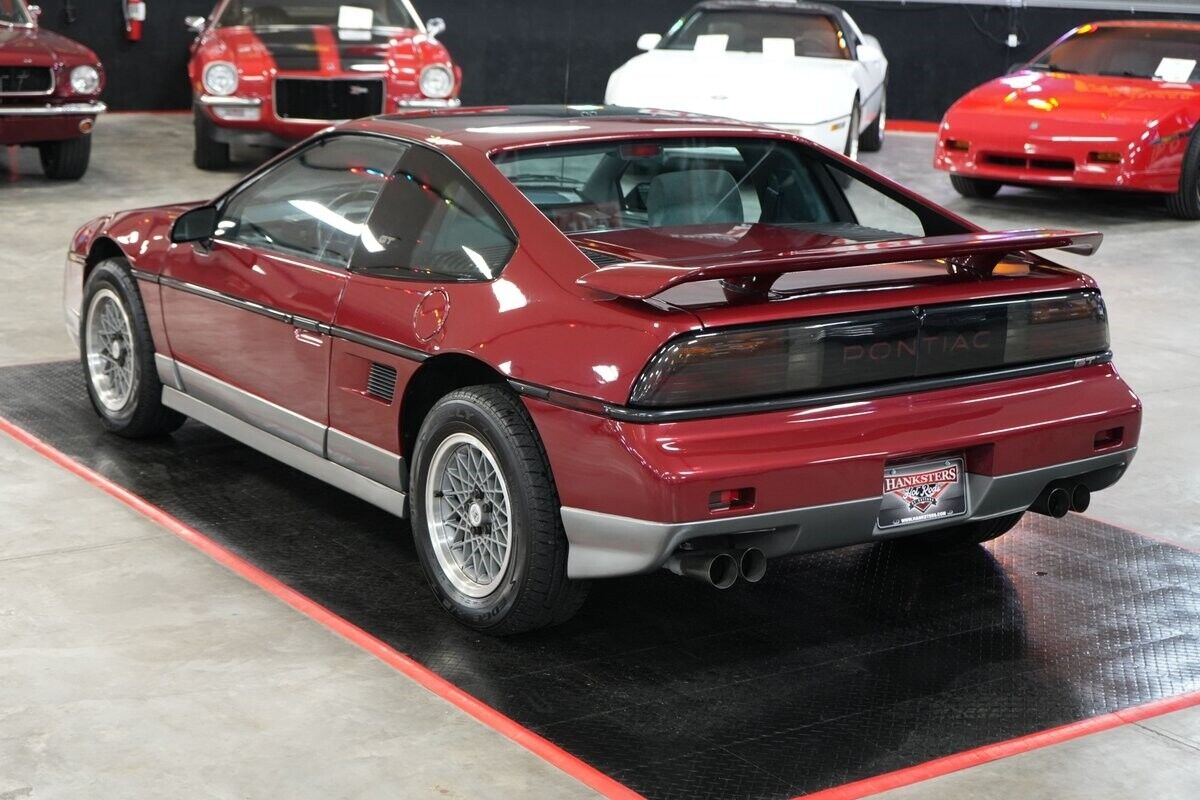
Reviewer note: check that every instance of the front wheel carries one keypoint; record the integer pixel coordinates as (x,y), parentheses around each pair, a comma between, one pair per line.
(486,515)
(66,160)
(208,154)
(871,140)
(1185,203)
(974,188)
(117,352)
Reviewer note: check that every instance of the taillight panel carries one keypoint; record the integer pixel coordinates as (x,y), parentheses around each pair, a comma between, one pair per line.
(873,348)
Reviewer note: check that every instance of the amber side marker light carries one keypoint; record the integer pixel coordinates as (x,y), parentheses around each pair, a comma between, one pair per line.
(1104,158)
(728,499)
(957,144)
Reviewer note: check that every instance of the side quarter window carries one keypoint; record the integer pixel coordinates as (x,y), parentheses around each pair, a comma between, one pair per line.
(315,203)
(432,223)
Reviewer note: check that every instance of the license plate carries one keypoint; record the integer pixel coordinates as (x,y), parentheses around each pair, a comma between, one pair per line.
(923,492)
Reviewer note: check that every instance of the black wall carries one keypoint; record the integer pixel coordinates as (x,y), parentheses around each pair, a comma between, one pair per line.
(552,51)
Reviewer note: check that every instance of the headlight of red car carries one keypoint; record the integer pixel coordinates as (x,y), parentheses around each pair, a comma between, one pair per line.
(869,349)
(85,80)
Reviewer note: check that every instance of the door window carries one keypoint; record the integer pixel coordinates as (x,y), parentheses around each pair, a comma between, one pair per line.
(432,223)
(315,203)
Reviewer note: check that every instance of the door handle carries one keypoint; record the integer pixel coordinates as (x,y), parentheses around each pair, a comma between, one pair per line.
(304,337)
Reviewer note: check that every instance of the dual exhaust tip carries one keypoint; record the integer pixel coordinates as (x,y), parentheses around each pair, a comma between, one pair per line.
(1059,498)
(721,569)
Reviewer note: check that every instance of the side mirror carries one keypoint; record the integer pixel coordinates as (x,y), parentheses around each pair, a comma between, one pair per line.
(869,52)
(434,26)
(35,13)
(195,225)
(195,24)
(648,41)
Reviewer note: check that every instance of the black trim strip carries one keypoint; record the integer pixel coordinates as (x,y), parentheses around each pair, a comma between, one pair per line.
(646,415)
(142,275)
(379,343)
(376,342)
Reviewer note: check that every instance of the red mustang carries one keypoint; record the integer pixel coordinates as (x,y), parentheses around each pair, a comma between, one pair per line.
(1111,105)
(271,72)
(49,90)
(579,343)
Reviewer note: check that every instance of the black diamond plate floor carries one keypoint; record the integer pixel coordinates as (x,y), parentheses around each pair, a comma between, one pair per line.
(837,667)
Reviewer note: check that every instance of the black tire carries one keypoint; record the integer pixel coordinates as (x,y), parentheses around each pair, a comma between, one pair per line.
(143,414)
(853,131)
(66,160)
(975,188)
(208,154)
(1185,203)
(534,591)
(871,140)
(959,537)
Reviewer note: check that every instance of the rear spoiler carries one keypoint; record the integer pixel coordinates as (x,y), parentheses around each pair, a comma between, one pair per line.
(980,252)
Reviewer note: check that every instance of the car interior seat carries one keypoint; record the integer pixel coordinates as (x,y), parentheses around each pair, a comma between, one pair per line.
(693,197)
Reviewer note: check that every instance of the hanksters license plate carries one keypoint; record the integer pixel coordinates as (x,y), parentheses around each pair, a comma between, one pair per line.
(923,492)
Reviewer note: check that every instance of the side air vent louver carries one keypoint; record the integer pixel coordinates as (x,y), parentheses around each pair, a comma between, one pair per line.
(381,382)
(600,258)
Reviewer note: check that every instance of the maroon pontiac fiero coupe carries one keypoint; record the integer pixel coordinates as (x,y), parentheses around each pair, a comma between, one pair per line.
(579,343)
(49,92)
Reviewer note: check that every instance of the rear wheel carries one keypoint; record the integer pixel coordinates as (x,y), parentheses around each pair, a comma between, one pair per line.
(208,153)
(66,160)
(117,352)
(871,140)
(486,515)
(958,537)
(1185,203)
(974,188)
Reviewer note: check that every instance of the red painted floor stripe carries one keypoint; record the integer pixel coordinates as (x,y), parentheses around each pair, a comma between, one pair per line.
(489,716)
(912,126)
(1010,747)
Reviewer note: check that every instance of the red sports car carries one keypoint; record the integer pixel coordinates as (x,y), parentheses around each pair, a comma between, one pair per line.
(1111,105)
(580,343)
(271,72)
(49,92)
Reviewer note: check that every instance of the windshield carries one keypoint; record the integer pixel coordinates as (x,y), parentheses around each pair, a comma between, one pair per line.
(717,184)
(1154,53)
(361,14)
(772,32)
(13,12)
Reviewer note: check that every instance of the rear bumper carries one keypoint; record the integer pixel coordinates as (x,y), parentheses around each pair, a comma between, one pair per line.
(604,545)
(632,493)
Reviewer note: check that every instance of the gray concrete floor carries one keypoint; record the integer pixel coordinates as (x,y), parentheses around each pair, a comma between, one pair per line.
(131,666)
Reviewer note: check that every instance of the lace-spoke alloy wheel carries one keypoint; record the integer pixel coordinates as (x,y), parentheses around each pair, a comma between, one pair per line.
(469,515)
(108,340)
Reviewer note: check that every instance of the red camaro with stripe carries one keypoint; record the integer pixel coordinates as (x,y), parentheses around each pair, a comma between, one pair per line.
(271,72)
(576,343)
(1110,105)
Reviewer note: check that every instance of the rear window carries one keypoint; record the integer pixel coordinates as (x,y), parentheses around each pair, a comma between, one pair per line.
(766,31)
(705,185)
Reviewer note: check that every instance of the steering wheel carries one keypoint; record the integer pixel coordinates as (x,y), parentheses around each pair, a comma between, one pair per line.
(352,206)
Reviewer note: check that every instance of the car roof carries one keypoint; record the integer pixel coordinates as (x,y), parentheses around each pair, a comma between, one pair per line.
(1169,24)
(772,5)
(489,128)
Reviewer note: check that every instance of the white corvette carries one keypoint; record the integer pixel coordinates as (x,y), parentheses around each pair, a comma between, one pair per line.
(803,67)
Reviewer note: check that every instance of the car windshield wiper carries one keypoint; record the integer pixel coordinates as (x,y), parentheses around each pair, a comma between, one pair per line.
(1124,73)
(1054,68)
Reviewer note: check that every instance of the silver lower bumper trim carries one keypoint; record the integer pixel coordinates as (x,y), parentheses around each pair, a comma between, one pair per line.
(229,101)
(607,545)
(63,110)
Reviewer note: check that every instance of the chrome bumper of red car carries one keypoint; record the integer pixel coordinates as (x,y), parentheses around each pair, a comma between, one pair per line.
(60,110)
(607,545)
